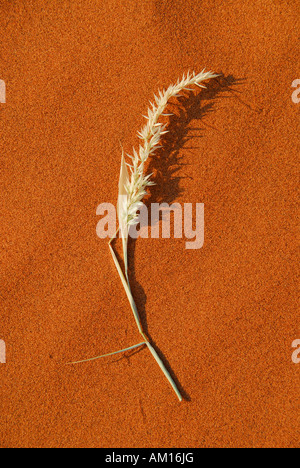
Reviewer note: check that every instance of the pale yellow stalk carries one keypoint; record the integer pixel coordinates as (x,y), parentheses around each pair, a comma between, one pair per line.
(132,188)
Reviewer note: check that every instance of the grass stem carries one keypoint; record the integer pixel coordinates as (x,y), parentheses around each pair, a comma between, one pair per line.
(109,354)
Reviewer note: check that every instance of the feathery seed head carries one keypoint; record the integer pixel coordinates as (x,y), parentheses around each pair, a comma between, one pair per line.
(135,185)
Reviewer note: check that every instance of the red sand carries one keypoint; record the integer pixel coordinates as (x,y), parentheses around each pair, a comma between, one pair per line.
(79,75)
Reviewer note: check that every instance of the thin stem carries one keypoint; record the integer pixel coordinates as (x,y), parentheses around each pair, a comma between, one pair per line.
(114,236)
(137,318)
(109,354)
(127,290)
(125,244)
(163,368)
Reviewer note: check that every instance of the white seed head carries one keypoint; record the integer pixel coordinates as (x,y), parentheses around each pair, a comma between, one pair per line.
(137,182)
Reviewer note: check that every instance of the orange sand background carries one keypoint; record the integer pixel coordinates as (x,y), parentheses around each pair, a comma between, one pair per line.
(79,74)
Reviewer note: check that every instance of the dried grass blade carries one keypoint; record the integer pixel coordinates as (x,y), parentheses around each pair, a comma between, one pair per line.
(109,354)
(122,209)
(127,290)
(163,368)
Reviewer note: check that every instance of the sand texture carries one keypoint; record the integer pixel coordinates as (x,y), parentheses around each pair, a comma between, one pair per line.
(79,75)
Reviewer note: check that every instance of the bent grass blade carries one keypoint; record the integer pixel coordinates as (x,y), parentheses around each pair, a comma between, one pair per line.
(122,209)
(109,354)
(137,319)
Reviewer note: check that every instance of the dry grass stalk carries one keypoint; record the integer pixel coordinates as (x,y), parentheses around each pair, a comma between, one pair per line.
(132,189)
